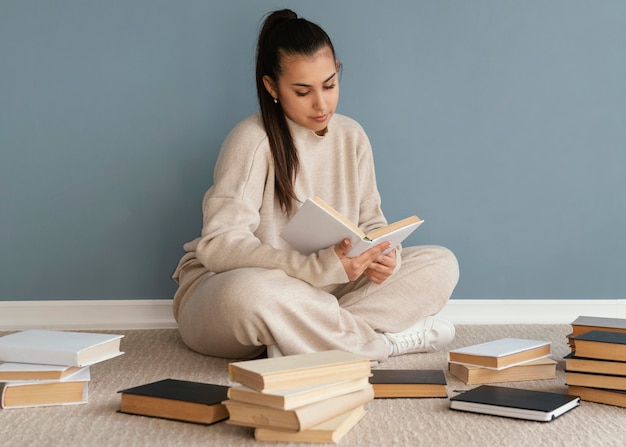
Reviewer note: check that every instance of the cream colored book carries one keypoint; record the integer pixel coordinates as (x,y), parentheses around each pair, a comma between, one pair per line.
(297,419)
(293,398)
(297,371)
(502,353)
(30,371)
(74,390)
(329,432)
(59,347)
(539,369)
(317,225)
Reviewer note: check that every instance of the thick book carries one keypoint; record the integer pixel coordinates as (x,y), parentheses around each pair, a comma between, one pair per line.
(582,364)
(408,383)
(297,419)
(59,347)
(502,353)
(539,369)
(329,432)
(599,395)
(601,345)
(31,371)
(595,380)
(179,400)
(585,323)
(22,394)
(533,405)
(297,371)
(317,225)
(293,398)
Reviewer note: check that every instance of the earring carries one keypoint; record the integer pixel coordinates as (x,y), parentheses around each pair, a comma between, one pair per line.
(275,100)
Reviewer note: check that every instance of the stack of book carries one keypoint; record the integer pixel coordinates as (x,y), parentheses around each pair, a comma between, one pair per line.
(44,367)
(315,397)
(595,370)
(503,360)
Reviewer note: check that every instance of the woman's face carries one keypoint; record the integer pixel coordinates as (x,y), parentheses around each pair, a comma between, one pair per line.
(307,89)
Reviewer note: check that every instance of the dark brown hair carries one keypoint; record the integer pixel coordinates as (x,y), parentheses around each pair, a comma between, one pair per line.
(283,34)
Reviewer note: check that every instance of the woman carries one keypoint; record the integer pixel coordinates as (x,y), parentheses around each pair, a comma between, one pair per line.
(242,288)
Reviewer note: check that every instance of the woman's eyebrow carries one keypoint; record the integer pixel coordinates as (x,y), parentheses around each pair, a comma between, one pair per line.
(297,84)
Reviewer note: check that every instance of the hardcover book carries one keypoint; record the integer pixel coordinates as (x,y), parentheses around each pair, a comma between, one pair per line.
(293,398)
(179,400)
(317,225)
(500,354)
(599,395)
(585,323)
(601,345)
(595,380)
(408,383)
(598,366)
(297,371)
(533,405)
(46,393)
(59,347)
(297,419)
(329,432)
(539,369)
(30,371)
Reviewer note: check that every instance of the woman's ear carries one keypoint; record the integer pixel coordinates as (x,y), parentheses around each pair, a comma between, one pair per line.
(270,86)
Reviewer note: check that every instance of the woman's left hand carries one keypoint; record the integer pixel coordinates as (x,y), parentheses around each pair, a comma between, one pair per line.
(382,268)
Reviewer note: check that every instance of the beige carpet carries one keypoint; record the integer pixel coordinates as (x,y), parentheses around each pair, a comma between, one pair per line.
(156,354)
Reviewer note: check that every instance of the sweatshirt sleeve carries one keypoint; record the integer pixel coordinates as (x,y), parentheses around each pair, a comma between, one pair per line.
(231,216)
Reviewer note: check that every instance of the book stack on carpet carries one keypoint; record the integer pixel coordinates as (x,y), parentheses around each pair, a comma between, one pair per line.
(595,370)
(44,367)
(317,397)
(503,360)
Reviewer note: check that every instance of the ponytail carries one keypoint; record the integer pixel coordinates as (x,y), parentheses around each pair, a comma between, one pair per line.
(283,33)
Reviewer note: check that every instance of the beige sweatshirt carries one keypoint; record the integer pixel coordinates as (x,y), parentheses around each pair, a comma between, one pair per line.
(241,215)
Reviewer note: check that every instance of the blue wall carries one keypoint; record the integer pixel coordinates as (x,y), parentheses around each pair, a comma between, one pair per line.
(501,123)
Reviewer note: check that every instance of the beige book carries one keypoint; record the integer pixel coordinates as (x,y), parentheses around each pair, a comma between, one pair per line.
(544,368)
(297,419)
(329,432)
(297,371)
(501,353)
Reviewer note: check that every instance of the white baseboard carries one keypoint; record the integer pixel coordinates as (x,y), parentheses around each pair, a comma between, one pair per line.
(156,314)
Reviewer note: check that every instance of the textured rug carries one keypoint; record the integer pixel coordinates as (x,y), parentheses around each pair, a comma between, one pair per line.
(156,354)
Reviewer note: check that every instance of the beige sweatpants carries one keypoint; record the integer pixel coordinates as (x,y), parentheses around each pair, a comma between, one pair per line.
(235,314)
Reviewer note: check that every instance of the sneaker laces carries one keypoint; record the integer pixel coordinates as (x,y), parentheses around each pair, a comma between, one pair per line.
(413,339)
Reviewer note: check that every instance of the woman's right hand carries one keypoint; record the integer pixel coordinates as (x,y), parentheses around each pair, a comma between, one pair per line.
(355,266)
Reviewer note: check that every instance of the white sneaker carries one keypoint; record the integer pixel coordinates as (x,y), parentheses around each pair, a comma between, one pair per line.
(427,335)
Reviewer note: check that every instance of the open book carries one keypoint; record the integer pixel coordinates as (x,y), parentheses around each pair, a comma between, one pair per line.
(316,225)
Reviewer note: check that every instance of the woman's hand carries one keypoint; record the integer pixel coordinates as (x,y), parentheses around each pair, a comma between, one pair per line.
(376,266)
(382,268)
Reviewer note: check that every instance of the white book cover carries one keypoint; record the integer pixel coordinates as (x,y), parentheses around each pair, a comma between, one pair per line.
(84,375)
(59,347)
(36,371)
(314,228)
(501,347)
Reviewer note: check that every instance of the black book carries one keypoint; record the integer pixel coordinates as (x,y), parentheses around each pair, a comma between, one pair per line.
(515,403)
(408,383)
(178,400)
(605,345)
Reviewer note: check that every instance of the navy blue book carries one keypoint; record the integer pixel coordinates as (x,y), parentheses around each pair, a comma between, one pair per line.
(516,403)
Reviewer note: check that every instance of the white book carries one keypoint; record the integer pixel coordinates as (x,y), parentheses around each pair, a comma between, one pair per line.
(10,372)
(43,393)
(500,354)
(59,347)
(316,225)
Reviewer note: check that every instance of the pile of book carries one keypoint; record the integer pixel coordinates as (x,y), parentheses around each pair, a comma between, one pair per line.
(44,367)
(315,397)
(595,369)
(503,360)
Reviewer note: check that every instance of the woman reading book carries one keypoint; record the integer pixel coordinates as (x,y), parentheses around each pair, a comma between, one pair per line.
(242,288)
